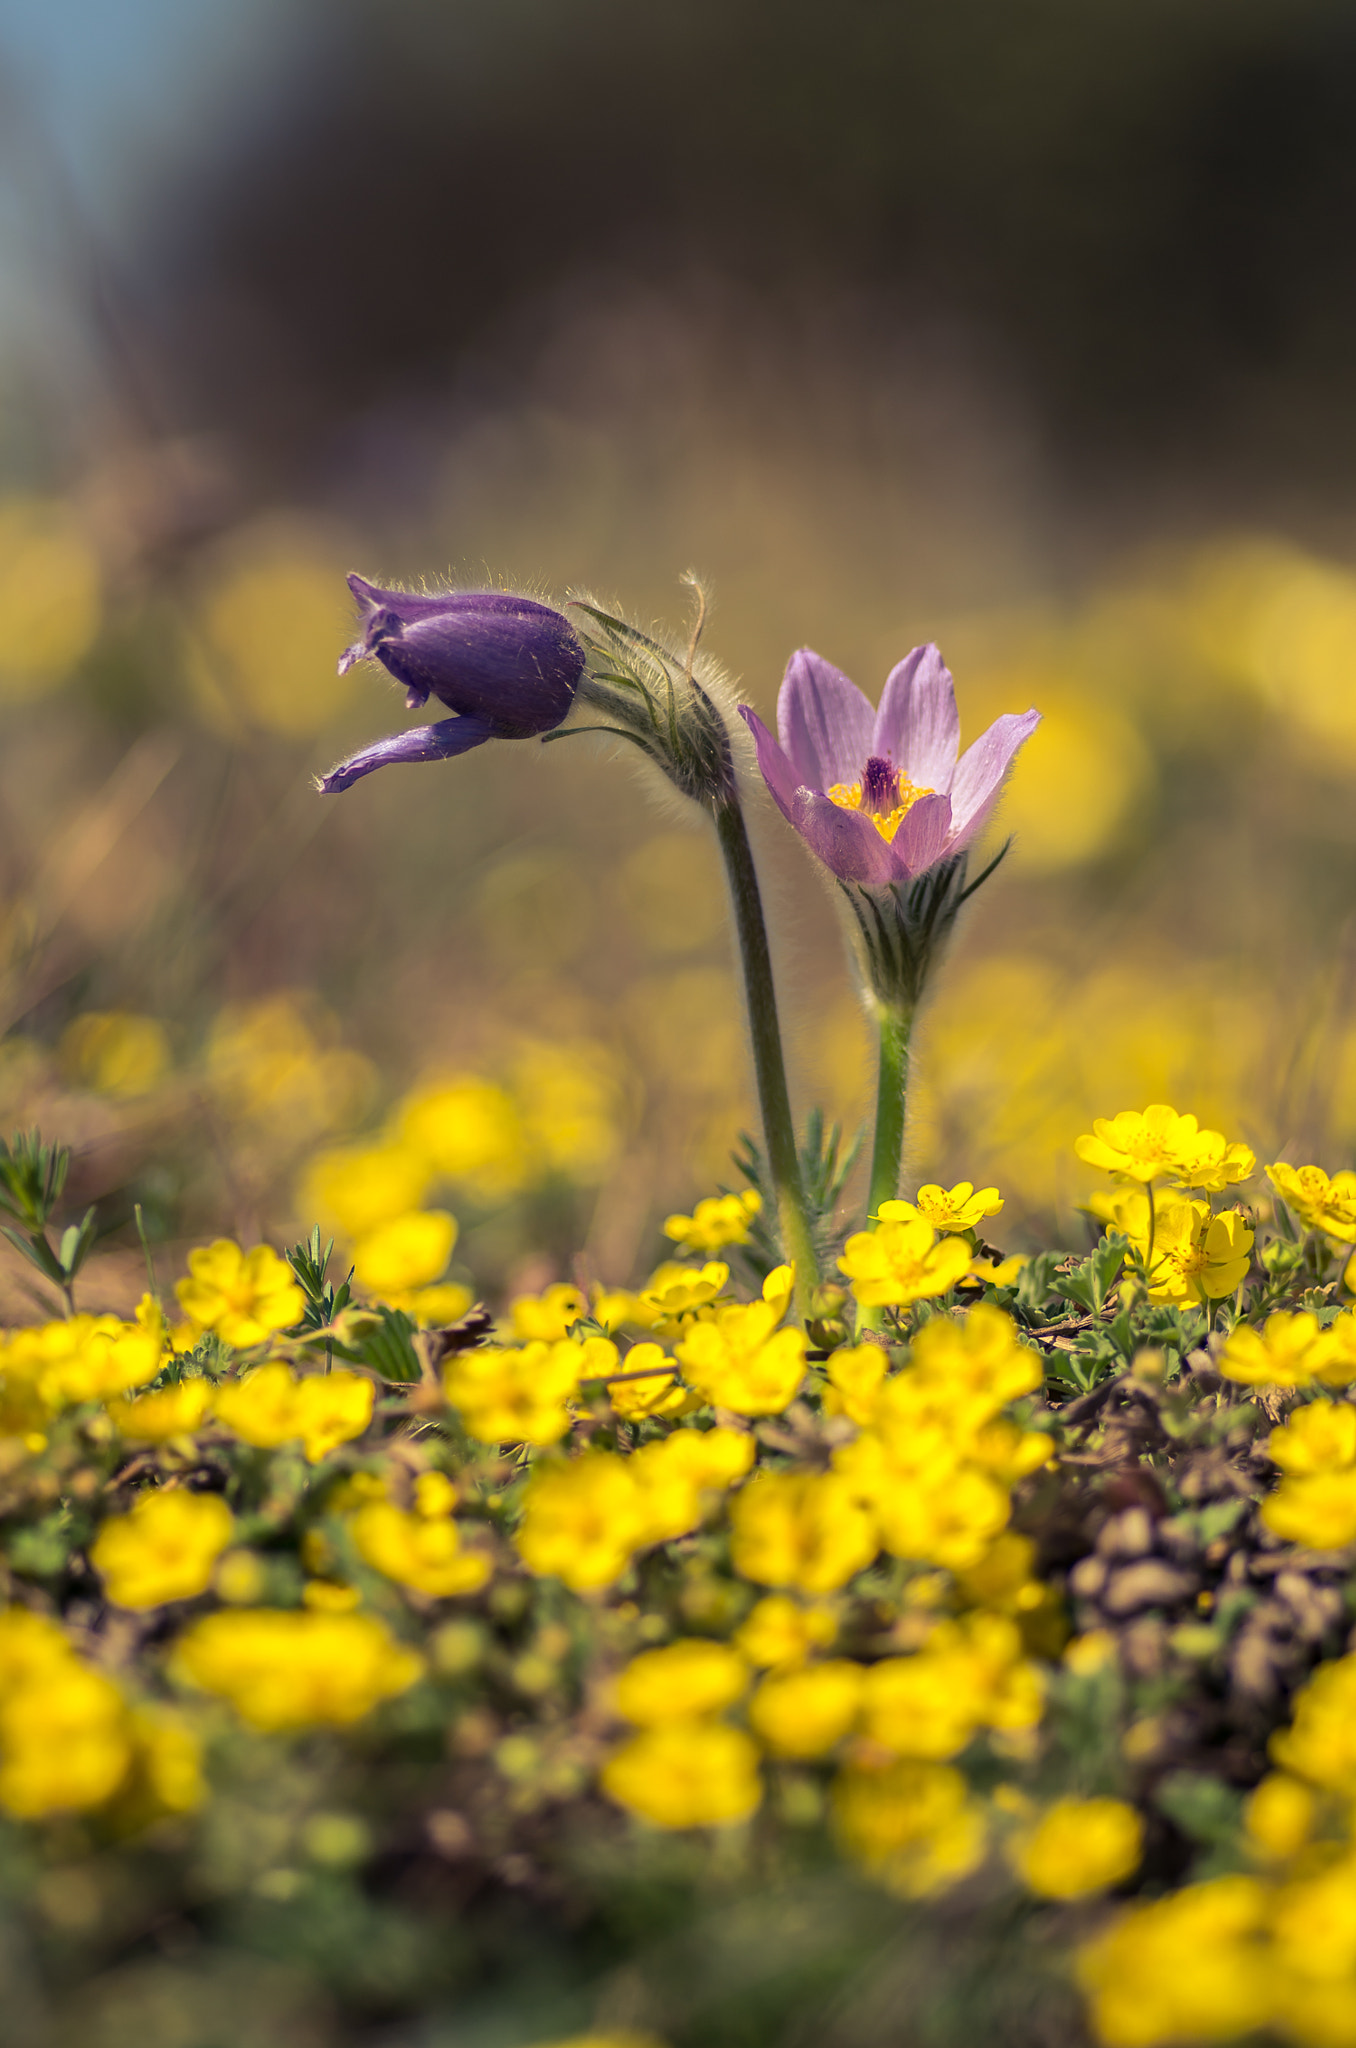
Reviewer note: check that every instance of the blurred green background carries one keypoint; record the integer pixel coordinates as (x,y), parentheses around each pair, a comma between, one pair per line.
(1028,330)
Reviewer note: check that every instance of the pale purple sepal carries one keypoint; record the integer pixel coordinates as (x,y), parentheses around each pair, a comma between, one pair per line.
(828,735)
(440,742)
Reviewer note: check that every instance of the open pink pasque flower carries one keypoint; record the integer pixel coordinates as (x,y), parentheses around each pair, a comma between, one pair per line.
(880,796)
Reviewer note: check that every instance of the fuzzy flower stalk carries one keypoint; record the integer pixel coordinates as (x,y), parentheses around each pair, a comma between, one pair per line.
(675,709)
(889,805)
(508,667)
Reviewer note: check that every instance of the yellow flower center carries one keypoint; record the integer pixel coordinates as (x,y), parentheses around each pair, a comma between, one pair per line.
(848,797)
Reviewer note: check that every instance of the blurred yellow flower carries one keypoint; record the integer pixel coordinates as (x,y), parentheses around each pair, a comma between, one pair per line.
(740,1360)
(1186,1967)
(912,1823)
(807,1712)
(243,1296)
(901,1262)
(547,1317)
(685,1774)
(50,593)
(166,1548)
(1279,1816)
(267,628)
(569,1100)
(522,1395)
(357,1188)
(156,1418)
(681,1682)
(86,1358)
(970,1674)
(801,1529)
(1320,1203)
(64,1741)
(271,1406)
(1079,1846)
(275,1066)
(779,1632)
(467,1130)
(1318,1438)
(582,1518)
(1317,1511)
(715,1222)
(421,1551)
(1289,1351)
(408,1252)
(661,1394)
(294,1669)
(116,1053)
(1319,1746)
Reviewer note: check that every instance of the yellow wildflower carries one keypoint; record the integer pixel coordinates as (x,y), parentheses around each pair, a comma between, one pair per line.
(970,1674)
(1318,1510)
(165,1549)
(1186,1967)
(662,1394)
(582,1520)
(1289,1352)
(673,1475)
(469,1129)
(243,1296)
(166,1772)
(947,1209)
(64,1741)
(1079,1846)
(948,1518)
(674,1294)
(806,1713)
(983,1357)
(1197,1255)
(901,1262)
(800,1529)
(356,1188)
(617,1307)
(284,1669)
(401,1260)
(156,1418)
(1318,1438)
(715,1222)
(1279,1816)
(778,1633)
(740,1360)
(271,1406)
(1158,1144)
(85,1358)
(332,1409)
(422,1551)
(681,1682)
(1320,1743)
(547,1318)
(685,1774)
(30,1646)
(856,1375)
(522,1395)
(911,1823)
(1320,1203)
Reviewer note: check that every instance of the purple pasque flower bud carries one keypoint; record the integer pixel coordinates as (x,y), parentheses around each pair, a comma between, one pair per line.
(507,666)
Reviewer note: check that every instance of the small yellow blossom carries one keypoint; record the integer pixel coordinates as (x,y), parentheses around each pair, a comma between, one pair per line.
(856,1375)
(1320,1743)
(674,1294)
(1079,1846)
(715,1222)
(800,1529)
(65,1741)
(681,1682)
(408,1253)
(901,1262)
(662,1393)
(333,1408)
(243,1296)
(911,1823)
(582,1520)
(1318,1511)
(1190,1966)
(618,1308)
(1319,1202)
(947,1209)
(287,1669)
(1289,1351)
(675,1475)
(1196,1255)
(271,1406)
(1279,1816)
(740,1360)
(970,1674)
(166,1769)
(468,1129)
(165,1549)
(156,1418)
(806,1713)
(547,1318)
(779,1633)
(1158,1144)
(422,1551)
(1318,1438)
(685,1774)
(951,1521)
(85,1358)
(522,1395)
(357,1188)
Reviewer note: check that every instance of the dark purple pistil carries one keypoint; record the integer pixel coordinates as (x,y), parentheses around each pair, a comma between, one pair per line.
(880,787)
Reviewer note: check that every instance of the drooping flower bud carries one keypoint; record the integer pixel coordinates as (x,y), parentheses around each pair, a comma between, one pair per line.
(507,666)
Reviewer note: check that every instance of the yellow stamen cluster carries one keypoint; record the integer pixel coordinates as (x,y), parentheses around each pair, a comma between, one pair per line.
(848,797)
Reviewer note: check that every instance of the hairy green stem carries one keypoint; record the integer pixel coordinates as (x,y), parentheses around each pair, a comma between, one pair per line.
(774,1099)
(891,1096)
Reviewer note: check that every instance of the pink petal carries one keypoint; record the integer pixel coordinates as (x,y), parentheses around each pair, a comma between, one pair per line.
(824,720)
(845,841)
(922,838)
(981,769)
(776,770)
(918,725)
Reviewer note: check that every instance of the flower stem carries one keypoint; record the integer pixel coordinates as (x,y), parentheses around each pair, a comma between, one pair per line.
(774,1099)
(891,1096)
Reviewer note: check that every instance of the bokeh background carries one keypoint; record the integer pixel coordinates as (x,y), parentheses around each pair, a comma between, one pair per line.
(1029,330)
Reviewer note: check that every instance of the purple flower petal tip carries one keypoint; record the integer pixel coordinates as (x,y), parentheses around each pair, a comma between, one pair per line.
(440,742)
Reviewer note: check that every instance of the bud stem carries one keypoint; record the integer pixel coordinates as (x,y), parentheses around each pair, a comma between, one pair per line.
(774,1100)
(891,1100)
